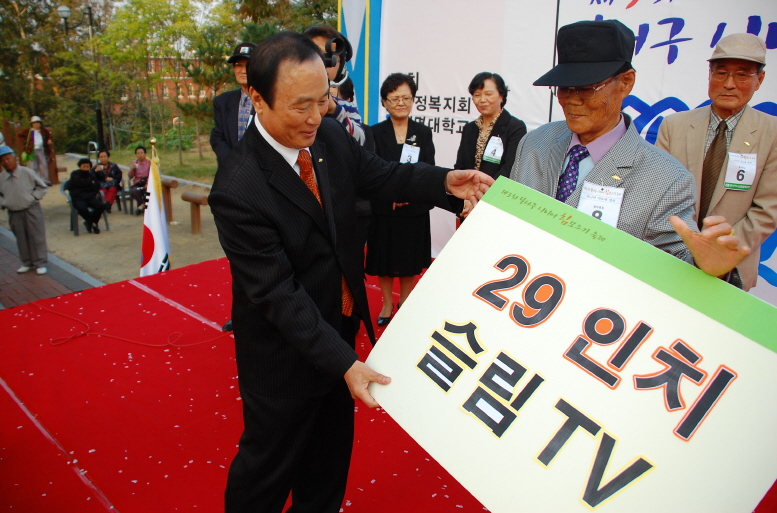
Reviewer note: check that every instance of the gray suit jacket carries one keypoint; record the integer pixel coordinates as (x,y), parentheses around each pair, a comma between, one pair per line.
(656,185)
(752,213)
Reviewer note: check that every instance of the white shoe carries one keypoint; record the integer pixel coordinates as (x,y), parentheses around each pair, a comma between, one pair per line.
(23,269)
(41,270)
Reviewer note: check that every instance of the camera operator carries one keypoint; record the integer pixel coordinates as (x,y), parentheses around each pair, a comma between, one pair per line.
(339,52)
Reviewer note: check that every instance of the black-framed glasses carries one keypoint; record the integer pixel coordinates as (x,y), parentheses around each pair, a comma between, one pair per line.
(584,93)
(395,100)
(722,75)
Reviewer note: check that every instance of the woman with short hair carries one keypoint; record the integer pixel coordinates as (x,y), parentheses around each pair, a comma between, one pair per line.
(399,243)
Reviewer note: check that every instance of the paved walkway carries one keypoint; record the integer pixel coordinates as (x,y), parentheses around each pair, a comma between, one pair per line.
(19,289)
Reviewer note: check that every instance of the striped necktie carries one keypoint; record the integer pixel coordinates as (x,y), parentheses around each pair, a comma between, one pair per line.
(306,173)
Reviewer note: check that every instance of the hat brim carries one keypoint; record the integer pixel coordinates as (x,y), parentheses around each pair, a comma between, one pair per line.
(740,57)
(236,58)
(577,74)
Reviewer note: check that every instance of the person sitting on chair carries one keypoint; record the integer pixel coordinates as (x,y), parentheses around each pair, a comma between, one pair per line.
(109,176)
(85,195)
(139,171)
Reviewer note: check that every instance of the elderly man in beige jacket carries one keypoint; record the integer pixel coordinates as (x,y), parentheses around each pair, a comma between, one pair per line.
(20,192)
(730,148)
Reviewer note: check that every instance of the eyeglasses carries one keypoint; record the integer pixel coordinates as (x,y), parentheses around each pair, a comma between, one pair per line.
(722,75)
(240,64)
(584,93)
(407,99)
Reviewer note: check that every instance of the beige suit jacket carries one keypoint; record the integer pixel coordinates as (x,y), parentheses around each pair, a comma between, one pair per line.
(753,213)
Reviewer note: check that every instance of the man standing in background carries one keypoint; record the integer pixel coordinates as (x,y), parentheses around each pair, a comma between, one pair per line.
(233,109)
(20,193)
(730,148)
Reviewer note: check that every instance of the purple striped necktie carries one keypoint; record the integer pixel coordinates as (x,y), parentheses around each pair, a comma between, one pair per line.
(568,180)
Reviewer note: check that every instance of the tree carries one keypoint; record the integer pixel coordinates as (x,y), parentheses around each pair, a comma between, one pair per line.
(209,70)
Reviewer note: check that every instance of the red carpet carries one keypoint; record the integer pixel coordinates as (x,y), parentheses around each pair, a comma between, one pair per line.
(142,413)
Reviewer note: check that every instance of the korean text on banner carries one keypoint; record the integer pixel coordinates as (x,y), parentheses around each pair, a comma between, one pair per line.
(551,362)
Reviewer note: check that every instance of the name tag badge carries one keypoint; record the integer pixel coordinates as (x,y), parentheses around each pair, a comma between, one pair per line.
(410,154)
(494,150)
(601,202)
(740,171)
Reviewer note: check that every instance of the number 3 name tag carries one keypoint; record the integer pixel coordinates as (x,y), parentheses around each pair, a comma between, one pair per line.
(740,171)
(601,202)
(494,150)
(409,154)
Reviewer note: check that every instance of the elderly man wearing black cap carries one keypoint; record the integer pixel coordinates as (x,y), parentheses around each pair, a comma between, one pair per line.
(598,144)
(730,148)
(232,110)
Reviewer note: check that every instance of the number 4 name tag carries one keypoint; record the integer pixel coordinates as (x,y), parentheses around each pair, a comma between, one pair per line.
(740,171)
(601,202)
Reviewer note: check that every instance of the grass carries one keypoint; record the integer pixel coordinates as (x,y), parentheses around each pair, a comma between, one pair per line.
(193,168)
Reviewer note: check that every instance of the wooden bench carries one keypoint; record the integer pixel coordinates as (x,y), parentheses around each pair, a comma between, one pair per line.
(196,200)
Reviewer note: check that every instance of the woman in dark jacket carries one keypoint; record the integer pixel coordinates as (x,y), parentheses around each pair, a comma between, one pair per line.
(490,142)
(399,244)
(85,194)
(109,176)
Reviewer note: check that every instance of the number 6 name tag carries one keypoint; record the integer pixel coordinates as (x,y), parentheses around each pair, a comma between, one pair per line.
(740,171)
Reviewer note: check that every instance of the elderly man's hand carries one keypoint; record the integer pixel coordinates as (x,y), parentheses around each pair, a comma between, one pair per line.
(468,184)
(359,377)
(716,249)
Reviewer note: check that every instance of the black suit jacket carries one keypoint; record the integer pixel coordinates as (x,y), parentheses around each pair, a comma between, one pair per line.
(223,137)
(386,147)
(288,255)
(510,129)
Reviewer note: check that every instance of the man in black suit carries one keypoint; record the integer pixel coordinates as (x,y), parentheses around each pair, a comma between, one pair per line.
(284,205)
(232,110)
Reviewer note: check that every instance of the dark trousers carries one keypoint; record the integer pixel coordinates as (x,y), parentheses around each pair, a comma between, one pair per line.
(95,203)
(298,445)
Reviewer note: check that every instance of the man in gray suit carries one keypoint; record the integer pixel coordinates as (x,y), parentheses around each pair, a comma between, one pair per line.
(599,145)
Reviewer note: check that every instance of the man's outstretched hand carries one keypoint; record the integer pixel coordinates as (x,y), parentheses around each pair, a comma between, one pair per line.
(359,377)
(468,184)
(716,249)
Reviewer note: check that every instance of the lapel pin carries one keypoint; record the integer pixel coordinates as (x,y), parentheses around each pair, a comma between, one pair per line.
(616,177)
(320,160)
(747,143)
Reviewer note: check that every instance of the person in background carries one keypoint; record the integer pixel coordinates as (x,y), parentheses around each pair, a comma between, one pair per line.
(233,109)
(730,148)
(39,143)
(139,171)
(344,112)
(489,143)
(346,92)
(109,176)
(21,190)
(399,244)
(85,194)
(599,144)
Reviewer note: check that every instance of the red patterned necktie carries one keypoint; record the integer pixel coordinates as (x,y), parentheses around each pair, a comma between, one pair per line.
(306,173)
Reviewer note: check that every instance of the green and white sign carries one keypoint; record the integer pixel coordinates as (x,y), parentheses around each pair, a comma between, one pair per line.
(552,363)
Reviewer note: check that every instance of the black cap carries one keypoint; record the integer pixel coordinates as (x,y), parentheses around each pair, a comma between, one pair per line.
(590,52)
(242,51)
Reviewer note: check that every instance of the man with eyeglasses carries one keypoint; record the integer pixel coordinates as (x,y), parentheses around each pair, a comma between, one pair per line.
(232,110)
(730,148)
(598,144)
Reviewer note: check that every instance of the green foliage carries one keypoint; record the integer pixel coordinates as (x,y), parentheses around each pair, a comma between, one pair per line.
(136,46)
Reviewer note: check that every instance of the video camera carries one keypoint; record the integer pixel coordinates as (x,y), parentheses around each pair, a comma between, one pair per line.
(338,47)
